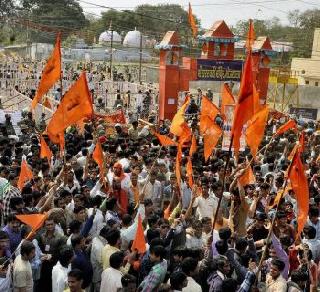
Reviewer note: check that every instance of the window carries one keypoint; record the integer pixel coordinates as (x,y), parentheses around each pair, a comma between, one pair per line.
(316,83)
(307,82)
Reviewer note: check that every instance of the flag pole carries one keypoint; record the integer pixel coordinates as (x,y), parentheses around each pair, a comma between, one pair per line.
(223,183)
(61,96)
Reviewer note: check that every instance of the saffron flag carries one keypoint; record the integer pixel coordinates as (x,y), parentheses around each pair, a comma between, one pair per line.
(57,139)
(244,109)
(80,126)
(35,221)
(192,22)
(290,125)
(226,97)
(25,174)
(185,134)
(255,130)
(190,172)
(208,114)
(193,147)
(247,178)
(98,157)
(179,119)
(300,187)
(167,212)
(75,105)
(165,140)
(251,36)
(139,242)
(117,117)
(210,139)
(51,73)
(45,151)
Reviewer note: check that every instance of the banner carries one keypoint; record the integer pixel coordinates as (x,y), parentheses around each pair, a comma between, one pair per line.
(306,113)
(229,113)
(213,70)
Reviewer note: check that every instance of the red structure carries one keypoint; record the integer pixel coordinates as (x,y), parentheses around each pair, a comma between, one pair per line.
(217,52)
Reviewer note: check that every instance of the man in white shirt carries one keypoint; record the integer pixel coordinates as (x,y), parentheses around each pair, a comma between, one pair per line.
(152,189)
(206,204)
(97,246)
(61,269)
(22,271)
(190,267)
(313,243)
(111,277)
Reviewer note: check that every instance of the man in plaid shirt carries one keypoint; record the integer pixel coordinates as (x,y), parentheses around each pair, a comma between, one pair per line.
(10,192)
(158,271)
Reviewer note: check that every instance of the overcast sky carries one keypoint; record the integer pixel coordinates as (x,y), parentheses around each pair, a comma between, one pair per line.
(211,10)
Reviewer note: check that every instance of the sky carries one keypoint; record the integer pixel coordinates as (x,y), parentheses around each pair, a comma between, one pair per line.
(211,10)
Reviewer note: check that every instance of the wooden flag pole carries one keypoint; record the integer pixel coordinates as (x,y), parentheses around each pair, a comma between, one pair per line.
(223,183)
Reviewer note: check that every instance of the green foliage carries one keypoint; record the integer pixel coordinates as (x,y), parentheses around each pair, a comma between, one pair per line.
(66,15)
(299,32)
(7,8)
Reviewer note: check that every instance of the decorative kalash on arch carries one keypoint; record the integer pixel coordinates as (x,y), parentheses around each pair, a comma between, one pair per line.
(216,63)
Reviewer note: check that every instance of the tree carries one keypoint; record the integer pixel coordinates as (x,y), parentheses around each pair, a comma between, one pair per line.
(306,22)
(64,15)
(7,8)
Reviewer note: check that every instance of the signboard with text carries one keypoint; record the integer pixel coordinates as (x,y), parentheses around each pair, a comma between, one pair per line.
(214,70)
(306,113)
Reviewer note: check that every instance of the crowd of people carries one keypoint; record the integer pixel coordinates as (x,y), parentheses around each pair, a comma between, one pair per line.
(209,235)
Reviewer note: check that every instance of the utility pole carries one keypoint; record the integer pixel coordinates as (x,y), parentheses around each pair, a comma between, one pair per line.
(111,50)
(140,58)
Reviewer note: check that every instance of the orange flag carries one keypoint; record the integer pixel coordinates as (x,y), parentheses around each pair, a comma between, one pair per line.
(185,134)
(57,139)
(139,242)
(247,177)
(75,105)
(208,114)
(45,151)
(244,109)
(300,187)
(190,172)
(193,147)
(98,157)
(51,73)
(25,174)
(80,125)
(192,22)
(255,130)
(165,140)
(167,212)
(210,139)
(178,119)
(290,125)
(33,220)
(47,103)
(251,36)
(227,97)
